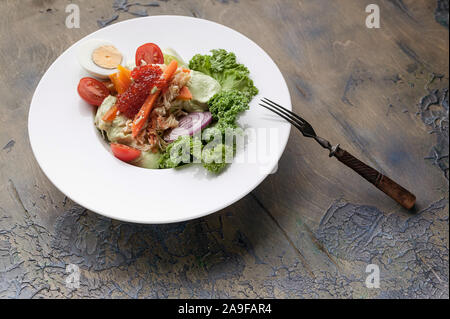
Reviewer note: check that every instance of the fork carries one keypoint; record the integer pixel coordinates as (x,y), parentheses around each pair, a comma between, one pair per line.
(382,182)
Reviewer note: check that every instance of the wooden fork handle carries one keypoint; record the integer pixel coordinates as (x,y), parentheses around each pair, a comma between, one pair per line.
(383,183)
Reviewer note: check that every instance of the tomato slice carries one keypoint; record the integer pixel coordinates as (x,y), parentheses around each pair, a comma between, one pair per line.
(150,53)
(124,152)
(92,91)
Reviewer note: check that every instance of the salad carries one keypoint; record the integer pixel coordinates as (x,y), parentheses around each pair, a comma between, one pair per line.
(158,111)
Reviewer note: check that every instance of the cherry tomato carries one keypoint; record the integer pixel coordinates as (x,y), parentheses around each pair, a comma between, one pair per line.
(150,53)
(92,91)
(124,152)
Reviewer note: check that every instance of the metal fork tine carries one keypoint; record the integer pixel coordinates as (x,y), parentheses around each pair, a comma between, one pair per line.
(304,127)
(282,109)
(273,108)
(290,120)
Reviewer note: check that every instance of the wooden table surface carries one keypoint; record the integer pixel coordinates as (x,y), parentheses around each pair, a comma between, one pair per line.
(311,229)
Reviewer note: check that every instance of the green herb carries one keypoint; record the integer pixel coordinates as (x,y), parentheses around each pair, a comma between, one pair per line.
(214,158)
(226,106)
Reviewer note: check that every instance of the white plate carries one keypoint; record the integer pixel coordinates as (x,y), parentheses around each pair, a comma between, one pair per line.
(71,153)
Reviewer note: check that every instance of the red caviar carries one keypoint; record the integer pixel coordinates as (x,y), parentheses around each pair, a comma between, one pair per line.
(145,79)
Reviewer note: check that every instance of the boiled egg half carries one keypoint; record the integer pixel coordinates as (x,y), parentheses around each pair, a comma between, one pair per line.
(99,57)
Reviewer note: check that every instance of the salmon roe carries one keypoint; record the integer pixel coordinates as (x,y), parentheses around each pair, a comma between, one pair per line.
(145,79)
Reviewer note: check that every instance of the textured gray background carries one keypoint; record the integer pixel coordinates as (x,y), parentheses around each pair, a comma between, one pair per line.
(309,230)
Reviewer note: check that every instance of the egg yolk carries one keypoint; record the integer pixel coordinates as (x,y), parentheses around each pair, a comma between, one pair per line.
(107,57)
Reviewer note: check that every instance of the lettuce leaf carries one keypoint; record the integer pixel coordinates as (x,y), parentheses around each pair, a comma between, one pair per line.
(170,54)
(223,67)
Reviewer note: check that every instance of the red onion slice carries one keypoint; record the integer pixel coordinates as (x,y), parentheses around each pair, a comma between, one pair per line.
(189,125)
